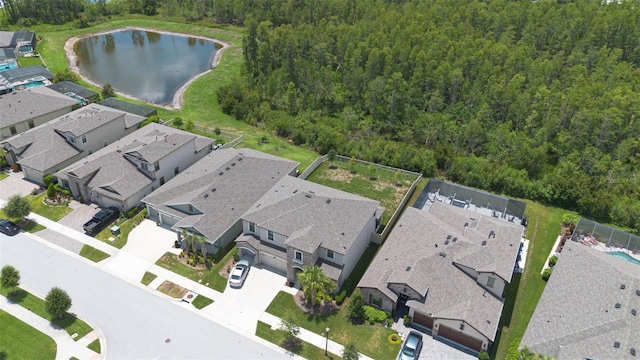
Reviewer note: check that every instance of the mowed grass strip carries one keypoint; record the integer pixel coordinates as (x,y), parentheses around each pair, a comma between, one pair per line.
(147,278)
(95,346)
(20,341)
(371,340)
(70,323)
(305,349)
(525,290)
(201,301)
(93,254)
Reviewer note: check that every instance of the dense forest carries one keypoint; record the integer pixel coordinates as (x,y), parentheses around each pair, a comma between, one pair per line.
(531,99)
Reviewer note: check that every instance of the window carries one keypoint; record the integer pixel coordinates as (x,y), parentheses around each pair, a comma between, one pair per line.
(144,166)
(491,281)
(71,139)
(330,254)
(13,130)
(31,124)
(176,170)
(162,180)
(156,166)
(270,236)
(252,227)
(65,183)
(375,301)
(297,256)
(105,143)
(84,139)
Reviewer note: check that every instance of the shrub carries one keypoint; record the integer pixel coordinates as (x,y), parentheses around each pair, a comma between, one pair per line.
(406,320)
(236,257)
(131,212)
(553,260)
(356,306)
(15,167)
(340,297)
(178,122)
(47,180)
(513,353)
(17,207)
(51,191)
(217,131)
(483,355)
(374,315)
(394,339)
(546,274)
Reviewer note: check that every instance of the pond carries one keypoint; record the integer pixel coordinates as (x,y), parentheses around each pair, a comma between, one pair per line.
(147,65)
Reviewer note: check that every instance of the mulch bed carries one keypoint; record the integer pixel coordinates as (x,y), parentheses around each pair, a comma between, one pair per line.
(320,309)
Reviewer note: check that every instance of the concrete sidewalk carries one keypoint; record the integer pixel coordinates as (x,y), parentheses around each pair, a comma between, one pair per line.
(66,346)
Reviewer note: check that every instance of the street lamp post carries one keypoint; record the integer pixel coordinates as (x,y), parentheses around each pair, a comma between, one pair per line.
(326,344)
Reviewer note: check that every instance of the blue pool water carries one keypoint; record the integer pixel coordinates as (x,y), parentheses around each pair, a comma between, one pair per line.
(8,66)
(624,256)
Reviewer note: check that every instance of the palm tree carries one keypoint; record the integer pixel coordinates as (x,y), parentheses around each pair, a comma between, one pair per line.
(185,236)
(202,240)
(313,280)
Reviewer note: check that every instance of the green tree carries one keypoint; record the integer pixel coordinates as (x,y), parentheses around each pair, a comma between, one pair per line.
(355,310)
(51,191)
(350,352)
(17,207)
(189,125)
(178,122)
(291,332)
(313,280)
(57,303)
(10,277)
(107,91)
(66,75)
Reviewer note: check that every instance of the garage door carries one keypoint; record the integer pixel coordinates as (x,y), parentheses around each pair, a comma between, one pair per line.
(422,319)
(460,337)
(273,262)
(167,219)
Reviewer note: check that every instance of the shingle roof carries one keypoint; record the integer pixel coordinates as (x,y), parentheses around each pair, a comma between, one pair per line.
(113,175)
(118,104)
(20,106)
(5,38)
(312,215)
(410,256)
(64,87)
(7,55)
(44,147)
(240,177)
(577,318)
(24,73)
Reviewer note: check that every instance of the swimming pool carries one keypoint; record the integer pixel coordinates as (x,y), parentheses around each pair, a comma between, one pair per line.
(624,256)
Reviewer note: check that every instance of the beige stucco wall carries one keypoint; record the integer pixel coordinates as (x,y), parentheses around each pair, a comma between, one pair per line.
(23,126)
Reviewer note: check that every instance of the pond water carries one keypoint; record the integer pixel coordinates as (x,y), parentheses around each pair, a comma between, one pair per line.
(147,65)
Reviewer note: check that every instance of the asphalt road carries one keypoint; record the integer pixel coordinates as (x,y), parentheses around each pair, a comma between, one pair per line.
(137,323)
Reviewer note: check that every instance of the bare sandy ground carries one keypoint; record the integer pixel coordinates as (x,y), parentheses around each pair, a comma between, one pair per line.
(178,97)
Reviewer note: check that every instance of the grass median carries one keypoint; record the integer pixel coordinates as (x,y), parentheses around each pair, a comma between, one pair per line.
(21,341)
(304,349)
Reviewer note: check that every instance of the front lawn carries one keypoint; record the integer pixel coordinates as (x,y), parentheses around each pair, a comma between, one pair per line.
(209,276)
(126,225)
(304,349)
(525,290)
(21,341)
(30,226)
(92,253)
(201,301)
(370,339)
(54,213)
(70,322)
(389,187)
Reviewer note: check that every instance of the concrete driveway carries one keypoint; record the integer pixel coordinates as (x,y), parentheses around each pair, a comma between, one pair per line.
(80,214)
(15,184)
(147,242)
(244,306)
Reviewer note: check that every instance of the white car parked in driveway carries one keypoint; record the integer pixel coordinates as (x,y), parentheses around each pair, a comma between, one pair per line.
(239,273)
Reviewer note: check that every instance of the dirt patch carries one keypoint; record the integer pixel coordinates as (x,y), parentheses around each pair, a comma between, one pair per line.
(225,271)
(174,290)
(320,309)
(338,175)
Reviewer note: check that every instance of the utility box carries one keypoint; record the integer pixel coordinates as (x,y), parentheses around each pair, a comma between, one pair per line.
(115,230)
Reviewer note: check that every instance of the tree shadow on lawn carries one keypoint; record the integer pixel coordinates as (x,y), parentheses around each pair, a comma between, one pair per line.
(17,296)
(65,322)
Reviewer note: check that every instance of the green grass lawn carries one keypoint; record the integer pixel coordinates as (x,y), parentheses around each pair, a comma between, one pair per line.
(525,290)
(208,277)
(30,226)
(95,346)
(21,341)
(28,61)
(148,278)
(305,349)
(3,175)
(92,253)
(201,301)
(54,213)
(126,225)
(70,322)
(356,179)
(370,339)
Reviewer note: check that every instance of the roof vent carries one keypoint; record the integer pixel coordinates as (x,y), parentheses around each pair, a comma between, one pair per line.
(205,195)
(239,159)
(220,173)
(442,254)
(632,351)
(213,189)
(638,292)
(227,168)
(328,201)
(484,242)
(466,224)
(634,312)
(446,242)
(623,286)
(448,237)
(295,191)
(616,344)
(455,239)
(233,164)
(618,305)
(307,196)
(492,234)
(408,268)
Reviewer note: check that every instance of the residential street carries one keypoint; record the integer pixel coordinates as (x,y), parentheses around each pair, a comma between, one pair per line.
(137,323)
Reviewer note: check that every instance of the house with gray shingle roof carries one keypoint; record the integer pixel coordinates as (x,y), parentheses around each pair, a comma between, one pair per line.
(59,143)
(130,168)
(449,266)
(22,41)
(210,197)
(26,109)
(589,308)
(298,223)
